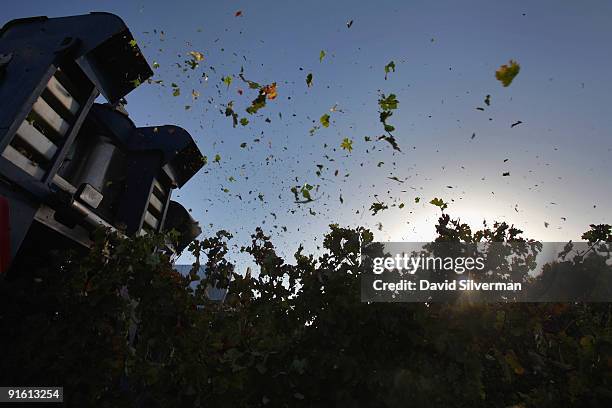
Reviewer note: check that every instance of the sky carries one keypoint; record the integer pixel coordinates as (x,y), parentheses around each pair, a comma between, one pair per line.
(445,55)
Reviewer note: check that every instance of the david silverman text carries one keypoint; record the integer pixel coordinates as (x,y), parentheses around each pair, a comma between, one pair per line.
(405,285)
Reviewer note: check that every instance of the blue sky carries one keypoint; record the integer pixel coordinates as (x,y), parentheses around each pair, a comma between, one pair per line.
(446,54)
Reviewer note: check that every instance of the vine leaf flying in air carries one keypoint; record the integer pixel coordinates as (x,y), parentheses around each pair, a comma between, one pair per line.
(388,102)
(270,91)
(229,111)
(257,104)
(376,207)
(196,58)
(324,120)
(304,191)
(506,73)
(438,202)
(265,92)
(391,140)
(347,144)
(388,68)
(309,80)
(176,91)
(387,105)
(252,85)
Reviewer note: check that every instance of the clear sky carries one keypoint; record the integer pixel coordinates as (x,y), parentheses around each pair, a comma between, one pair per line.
(445,53)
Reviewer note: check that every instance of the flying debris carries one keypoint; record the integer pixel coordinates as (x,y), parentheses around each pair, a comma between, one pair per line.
(506,73)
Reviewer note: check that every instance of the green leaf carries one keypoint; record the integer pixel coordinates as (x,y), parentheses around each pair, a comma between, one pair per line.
(306,191)
(388,102)
(391,140)
(229,111)
(217,158)
(347,144)
(384,115)
(324,120)
(227,80)
(438,202)
(388,68)
(321,56)
(155,64)
(376,207)
(244,121)
(252,85)
(309,80)
(257,104)
(303,191)
(506,73)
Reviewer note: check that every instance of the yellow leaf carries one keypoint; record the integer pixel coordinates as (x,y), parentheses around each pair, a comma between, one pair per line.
(270,91)
(506,73)
(198,56)
(347,144)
